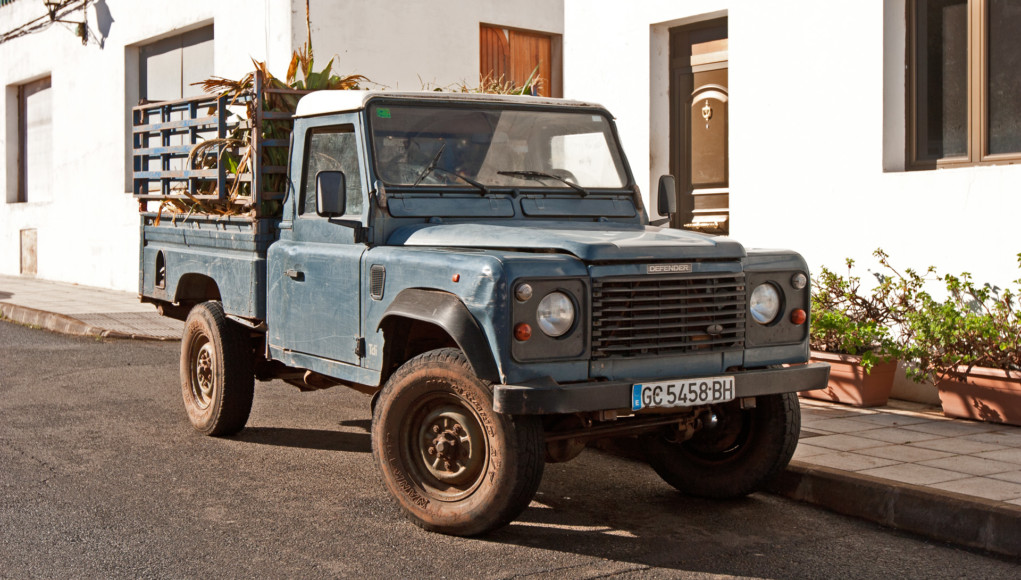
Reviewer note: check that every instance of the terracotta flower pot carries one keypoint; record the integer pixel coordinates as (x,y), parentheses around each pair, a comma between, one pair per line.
(850,385)
(983,395)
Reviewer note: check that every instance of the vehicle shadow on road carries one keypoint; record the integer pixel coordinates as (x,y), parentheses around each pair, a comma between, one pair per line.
(363,424)
(617,511)
(319,439)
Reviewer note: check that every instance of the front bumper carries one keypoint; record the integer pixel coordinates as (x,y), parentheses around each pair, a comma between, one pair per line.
(546,397)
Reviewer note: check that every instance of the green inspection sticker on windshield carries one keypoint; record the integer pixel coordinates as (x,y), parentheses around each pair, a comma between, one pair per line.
(383,113)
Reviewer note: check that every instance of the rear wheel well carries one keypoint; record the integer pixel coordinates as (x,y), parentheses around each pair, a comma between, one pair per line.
(193,289)
(406,338)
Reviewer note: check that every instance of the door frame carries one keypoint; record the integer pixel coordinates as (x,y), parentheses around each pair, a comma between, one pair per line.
(680,91)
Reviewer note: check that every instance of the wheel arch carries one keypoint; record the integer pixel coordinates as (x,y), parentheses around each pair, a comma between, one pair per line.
(194,288)
(418,309)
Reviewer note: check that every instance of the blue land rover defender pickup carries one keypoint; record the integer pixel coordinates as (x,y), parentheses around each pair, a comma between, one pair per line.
(484,268)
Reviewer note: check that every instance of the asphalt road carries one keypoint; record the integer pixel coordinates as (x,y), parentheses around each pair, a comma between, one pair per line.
(101,475)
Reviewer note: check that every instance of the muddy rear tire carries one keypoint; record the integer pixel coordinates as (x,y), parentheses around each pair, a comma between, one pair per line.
(450,462)
(739,455)
(217,374)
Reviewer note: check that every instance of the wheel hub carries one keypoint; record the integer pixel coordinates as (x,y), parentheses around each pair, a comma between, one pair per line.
(203,377)
(721,433)
(451,445)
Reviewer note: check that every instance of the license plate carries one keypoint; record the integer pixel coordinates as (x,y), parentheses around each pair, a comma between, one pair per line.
(682,393)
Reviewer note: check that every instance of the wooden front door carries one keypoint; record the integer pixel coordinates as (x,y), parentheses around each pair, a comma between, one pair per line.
(699,126)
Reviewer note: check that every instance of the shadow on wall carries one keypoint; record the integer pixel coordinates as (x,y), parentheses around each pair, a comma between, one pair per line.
(104,19)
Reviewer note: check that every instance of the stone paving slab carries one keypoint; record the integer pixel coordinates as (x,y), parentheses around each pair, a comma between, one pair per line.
(83,310)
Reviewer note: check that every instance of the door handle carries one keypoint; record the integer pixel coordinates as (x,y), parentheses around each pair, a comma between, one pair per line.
(296,274)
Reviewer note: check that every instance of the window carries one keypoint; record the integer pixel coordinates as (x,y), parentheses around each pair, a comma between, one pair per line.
(333,149)
(34,165)
(965,78)
(429,147)
(509,55)
(169,68)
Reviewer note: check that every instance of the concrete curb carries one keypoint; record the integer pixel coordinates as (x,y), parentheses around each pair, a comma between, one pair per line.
(62,323)
(935,514)
(939,515)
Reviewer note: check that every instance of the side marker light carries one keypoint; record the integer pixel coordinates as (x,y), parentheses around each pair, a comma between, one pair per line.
(799,316)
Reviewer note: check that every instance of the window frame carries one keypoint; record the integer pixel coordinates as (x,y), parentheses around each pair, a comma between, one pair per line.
(21,167)
(301,211)
(137,72)
(977,88)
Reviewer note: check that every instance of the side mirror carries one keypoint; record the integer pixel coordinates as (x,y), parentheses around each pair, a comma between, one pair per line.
(331,193)
(667,195)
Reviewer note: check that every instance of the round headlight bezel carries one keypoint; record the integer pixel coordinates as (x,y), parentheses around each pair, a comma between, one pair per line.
(765,304)
(556,314)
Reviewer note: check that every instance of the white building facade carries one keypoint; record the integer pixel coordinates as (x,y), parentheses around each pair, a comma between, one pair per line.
(828,128)
(65,118)
(829,107)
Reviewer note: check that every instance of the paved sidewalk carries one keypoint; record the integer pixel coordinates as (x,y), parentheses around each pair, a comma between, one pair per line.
(914,443)
(904,465)
(907,466)
(83,310)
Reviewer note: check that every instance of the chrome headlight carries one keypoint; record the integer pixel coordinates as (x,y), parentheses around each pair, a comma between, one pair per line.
(764,303)
(555,314)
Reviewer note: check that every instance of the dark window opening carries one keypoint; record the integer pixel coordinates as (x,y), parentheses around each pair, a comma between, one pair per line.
(965,78)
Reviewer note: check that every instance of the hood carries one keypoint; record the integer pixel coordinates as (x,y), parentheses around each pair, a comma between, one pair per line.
(588,241)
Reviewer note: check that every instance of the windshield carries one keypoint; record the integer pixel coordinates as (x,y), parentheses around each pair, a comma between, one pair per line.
(423,145)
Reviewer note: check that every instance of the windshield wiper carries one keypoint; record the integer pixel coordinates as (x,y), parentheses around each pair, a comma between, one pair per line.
(468,180)
(539,175)
(432,165)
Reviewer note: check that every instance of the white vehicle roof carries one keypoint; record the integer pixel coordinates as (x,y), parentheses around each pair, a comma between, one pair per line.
(325,102)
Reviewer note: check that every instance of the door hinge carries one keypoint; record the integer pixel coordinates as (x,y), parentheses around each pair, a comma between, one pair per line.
(360,347)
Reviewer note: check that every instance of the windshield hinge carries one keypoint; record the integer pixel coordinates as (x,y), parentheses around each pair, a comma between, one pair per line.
(380,191)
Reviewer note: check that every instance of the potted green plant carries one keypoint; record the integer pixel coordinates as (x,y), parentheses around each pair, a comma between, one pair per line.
(969,345)
(851,330)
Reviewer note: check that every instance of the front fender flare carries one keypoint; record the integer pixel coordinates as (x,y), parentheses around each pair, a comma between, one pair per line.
(449,313)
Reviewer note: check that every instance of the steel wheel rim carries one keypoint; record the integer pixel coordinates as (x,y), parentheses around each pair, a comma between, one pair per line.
(725,441)
(202,382)
(446,446)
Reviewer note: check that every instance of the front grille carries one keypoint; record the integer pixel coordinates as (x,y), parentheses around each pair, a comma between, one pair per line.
(665,315)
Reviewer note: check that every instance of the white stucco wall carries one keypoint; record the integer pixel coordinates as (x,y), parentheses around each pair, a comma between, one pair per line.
(88,232)
(817,116)
(816,131)
(414,44)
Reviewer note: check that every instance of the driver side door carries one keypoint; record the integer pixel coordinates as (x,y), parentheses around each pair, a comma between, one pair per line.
(315,274)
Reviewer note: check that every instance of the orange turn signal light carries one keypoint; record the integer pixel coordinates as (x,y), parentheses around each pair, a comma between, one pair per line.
(799,316)
(523,332)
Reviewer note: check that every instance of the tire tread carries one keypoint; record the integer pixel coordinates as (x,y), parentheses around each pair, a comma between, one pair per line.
(526,447)
(232,347)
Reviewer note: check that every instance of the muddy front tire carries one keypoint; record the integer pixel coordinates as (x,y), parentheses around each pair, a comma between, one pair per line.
(450,462)
(217,376)
(743,451)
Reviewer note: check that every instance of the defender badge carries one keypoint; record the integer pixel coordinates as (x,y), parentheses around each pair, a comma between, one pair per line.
(668,269)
